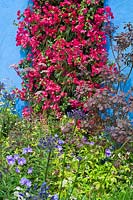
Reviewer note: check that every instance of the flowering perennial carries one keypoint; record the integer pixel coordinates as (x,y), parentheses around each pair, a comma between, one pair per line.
(26,182)
(65,47)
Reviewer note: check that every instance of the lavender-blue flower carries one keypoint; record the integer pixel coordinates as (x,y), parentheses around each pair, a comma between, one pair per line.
(16,156)
(50,142)
(55,197)
(26,182)
(30,170)
(27,150)
(108,152)
(10,159)
(76,114)
(21,161)
(17,170)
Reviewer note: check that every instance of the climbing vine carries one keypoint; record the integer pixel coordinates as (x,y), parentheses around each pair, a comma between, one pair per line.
(65,49)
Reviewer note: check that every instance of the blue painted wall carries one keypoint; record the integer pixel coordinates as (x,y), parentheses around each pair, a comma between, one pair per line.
(123,13)
(9,53)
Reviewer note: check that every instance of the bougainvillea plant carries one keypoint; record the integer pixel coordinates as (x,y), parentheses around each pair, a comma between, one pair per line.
(65,46)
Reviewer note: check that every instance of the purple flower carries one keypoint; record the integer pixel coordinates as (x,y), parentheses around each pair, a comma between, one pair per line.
(16,156)
(108,153)
(51,142)
(43,194)
(91,143)
(84,140)
(30,170)
(60,142)
(79,158)
(43,185)
(55,197)
(25,181)
(17,170)
(76,114)
(59,147)
(21,161)
(27,150)
(10,159)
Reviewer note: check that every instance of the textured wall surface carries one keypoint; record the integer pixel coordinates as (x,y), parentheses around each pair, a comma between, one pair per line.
(123,13)
(9,53)
(122,9)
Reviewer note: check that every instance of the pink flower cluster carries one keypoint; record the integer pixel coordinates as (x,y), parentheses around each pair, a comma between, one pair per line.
(65,42)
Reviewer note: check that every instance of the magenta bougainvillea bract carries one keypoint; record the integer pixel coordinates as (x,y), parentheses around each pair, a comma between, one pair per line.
(65,49)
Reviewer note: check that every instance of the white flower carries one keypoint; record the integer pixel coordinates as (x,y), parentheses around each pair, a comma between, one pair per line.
(21,198)
(73,198)
(18,188)
(27,194)
(16,193)
(64,182)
